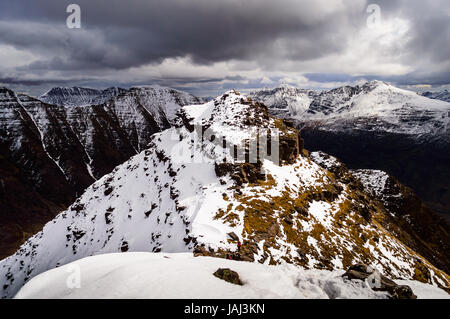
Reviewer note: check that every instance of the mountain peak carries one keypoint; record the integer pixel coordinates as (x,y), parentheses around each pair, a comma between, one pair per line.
(231,114)
(148,87)
(63,89)
(5,90)
(79,96)
(375,84)
(347,107)
(285,84)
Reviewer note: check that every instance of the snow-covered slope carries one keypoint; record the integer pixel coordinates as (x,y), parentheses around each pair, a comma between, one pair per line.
(84,143)
(421,229)
(179,196)
(165,275)
(79,96)
(124,125)
(373,106)
(285,100)
(161,102)
(58,151)
(374,181)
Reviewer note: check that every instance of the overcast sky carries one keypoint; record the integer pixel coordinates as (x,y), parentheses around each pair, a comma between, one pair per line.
(208,46)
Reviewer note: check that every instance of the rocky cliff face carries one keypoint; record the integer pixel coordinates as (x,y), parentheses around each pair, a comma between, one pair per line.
(56,152)
(413,222)
(183,195)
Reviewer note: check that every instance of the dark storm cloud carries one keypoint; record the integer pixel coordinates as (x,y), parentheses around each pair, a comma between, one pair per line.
(32,82)
(436,78)
(118,35)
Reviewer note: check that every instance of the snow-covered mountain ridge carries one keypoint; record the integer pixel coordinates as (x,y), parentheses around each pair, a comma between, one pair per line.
(439,95)
(158,100)
(53,152)
(285,99)
(180,196)
(373,106)
(79,96)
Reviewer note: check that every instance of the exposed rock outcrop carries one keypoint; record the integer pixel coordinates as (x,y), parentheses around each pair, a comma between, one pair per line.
(379,282)
(228,275)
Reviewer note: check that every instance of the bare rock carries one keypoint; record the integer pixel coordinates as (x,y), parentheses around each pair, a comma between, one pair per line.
(228,275)
(233,236)
(379,282)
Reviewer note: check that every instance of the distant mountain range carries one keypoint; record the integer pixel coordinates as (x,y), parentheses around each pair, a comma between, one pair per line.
(79,96)
(378,126)
(439,95)
(374,106)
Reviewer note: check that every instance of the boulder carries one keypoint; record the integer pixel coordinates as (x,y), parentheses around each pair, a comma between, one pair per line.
(402,292)
(379,282)
(288,219)
(228,275)
(301,210)
(241,173)
(222,169)
(289,149)
(124,247)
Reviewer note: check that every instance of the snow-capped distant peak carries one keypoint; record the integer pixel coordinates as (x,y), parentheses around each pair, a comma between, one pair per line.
(372,106)
(438,95)
(376,83)
(149,86)
(162,102)
(79,96)
(284,99)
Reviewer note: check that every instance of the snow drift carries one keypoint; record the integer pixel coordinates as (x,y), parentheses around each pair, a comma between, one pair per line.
(162,275)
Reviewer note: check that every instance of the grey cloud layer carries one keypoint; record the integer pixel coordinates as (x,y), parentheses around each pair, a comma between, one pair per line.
(118,35)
